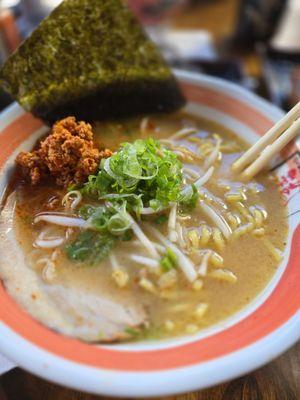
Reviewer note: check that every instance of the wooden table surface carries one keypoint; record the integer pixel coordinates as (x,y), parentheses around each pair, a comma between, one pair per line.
(279,380)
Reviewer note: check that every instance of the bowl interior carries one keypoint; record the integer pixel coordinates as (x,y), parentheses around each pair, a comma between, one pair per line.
(249,117)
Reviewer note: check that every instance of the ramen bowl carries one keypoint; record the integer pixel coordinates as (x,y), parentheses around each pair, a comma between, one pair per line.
(253,336)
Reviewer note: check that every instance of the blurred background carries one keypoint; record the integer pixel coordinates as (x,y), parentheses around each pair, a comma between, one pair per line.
(255,43)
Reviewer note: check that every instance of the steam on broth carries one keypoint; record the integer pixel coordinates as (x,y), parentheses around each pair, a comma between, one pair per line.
(190,260)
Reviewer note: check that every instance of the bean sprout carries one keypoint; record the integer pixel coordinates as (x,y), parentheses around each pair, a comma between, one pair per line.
(202,270)
(61,220)
(146,125)
(49,270)
(181,240)
(149,262)
(172,223)
(191,172)
(212,158)
(72,199)
(200,182)
(49,244)
(142,237)
(150,210)
(159,247)
(47,241)
(218,219)
(119,274)
(182,133)
(185,263)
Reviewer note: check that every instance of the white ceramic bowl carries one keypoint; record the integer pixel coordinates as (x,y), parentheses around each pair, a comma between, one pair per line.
(252,337)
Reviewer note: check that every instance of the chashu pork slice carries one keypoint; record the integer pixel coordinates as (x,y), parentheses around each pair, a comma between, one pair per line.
(66,308)
(96,318)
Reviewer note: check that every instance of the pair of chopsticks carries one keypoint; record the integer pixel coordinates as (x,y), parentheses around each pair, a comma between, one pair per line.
(271,143)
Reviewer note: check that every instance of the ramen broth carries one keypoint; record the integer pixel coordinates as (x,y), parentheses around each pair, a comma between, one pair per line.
(249,259)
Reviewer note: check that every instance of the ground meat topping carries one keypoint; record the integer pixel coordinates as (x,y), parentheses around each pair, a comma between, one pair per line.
(69,154)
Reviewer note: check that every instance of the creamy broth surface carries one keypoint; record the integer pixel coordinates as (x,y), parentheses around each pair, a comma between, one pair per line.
(253,259)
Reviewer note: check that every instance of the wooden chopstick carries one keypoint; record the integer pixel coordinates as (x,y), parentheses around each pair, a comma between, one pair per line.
(268,138)
(272,149)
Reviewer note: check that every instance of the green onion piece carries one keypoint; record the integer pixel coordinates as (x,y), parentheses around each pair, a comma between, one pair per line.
(169,260)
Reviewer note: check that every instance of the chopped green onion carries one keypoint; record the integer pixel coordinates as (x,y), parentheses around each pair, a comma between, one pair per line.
(169,260)
(142,168)
(161,219)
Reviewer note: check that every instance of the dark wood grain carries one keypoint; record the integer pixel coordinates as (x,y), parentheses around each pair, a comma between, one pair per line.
(279,380)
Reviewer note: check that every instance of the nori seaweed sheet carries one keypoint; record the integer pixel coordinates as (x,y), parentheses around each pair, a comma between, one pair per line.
(90,59)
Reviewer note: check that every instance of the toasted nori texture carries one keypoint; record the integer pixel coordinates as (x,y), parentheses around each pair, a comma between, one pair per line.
(90,59)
